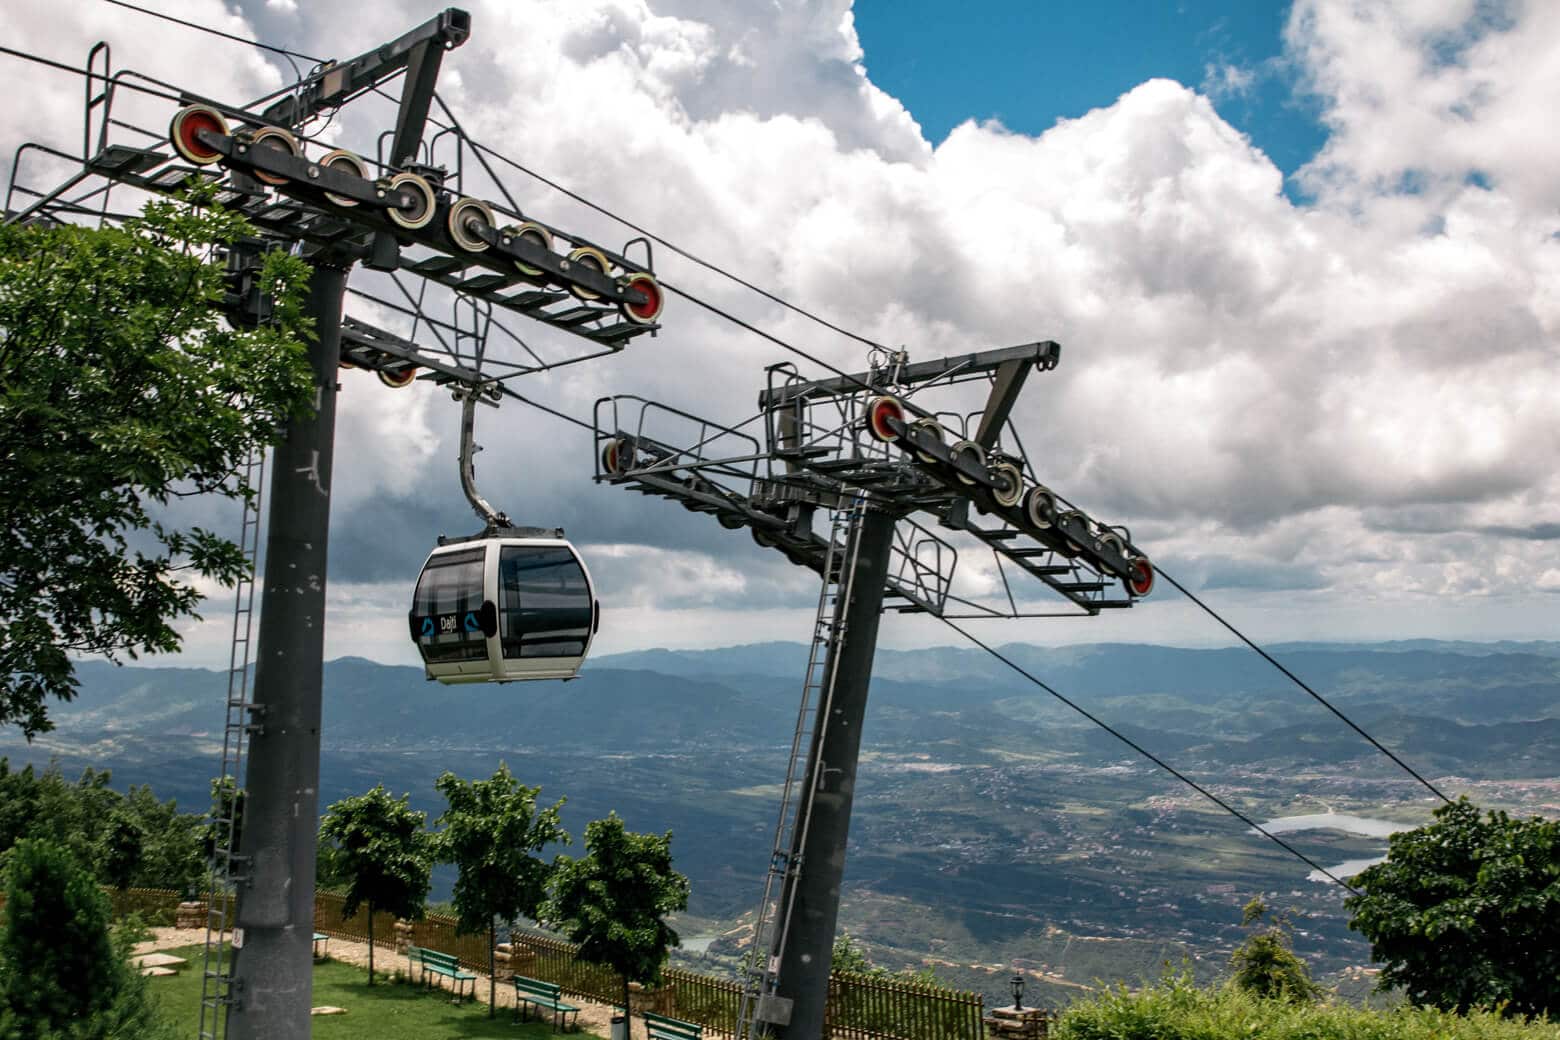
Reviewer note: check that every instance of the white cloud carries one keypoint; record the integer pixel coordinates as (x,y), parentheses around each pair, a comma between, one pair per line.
(1346,393)
(1227,80)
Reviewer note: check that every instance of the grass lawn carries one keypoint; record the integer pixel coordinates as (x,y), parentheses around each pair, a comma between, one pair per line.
(385,1011)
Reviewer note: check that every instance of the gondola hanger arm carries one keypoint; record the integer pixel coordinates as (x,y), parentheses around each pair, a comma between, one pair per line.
(468,397)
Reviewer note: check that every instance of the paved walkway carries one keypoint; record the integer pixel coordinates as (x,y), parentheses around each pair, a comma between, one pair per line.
(594,1018)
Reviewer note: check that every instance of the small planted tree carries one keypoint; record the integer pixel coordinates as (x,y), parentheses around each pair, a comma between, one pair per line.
(1266,964)
(492,831)
(61,972)
(378,847)
(613,901)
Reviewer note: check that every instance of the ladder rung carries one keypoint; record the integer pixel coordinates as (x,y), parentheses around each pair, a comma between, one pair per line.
(485,282)
(565,318)
(618,330)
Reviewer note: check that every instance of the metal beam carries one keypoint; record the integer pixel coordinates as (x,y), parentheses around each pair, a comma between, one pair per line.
(1005,388)
(1043,355)
(339,81)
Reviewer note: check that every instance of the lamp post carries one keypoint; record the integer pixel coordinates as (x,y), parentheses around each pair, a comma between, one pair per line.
(1017,982)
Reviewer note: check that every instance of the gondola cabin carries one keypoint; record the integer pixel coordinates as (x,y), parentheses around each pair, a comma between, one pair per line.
(504,609)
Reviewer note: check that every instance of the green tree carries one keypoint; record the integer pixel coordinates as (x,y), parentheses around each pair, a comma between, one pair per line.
(847,956)
(613,901)
(121,847)
(227,798)
(129,839)
(1266,964)
(1465,912)
(492,830)
(62,974)
(171,853)
(380,849)
(122,388)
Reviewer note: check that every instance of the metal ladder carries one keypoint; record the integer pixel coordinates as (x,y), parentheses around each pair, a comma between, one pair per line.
(216,995)
(773,923)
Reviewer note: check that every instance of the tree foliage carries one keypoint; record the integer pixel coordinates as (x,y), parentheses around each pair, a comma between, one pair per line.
(492,830)
(613,900)
(62,974)
(1266,964)
(1465,912)
(379,848)
(228,801)
(125,840)
(122,388)
(847,956)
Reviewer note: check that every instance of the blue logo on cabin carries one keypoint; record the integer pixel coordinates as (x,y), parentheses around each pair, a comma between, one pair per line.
(427,629)
(471,622)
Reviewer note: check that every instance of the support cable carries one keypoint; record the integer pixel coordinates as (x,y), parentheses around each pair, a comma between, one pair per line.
(63,67)
(1134,745)
(1161,763)
(1323,701)
(546,408)
(709,265)
(216,32)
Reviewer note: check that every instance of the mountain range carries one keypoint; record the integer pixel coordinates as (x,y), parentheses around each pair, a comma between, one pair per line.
(993,825)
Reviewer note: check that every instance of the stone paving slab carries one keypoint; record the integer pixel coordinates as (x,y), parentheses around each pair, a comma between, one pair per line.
(158,960)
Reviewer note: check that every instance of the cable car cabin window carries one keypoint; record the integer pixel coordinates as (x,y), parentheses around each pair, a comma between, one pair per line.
(451,585)
(544,602)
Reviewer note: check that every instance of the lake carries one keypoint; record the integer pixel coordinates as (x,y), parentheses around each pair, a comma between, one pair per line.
(1364,826)
(1345,870)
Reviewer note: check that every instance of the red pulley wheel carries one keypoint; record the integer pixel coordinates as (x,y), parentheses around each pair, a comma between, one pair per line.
(879,411)
(610,455)
(644,313)
(617,456)
(397,380)
(182,133)
(1141,583)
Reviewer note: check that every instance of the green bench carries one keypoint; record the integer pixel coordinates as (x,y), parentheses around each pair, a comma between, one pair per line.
(442,964)
(659,1027)
(321,945)
(543,995)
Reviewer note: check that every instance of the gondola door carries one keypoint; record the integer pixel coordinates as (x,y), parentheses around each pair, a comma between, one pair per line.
(452,614)
(546,611)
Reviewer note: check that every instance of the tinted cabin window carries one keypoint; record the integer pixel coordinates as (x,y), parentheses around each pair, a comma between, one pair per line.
(544,603)
(450,588)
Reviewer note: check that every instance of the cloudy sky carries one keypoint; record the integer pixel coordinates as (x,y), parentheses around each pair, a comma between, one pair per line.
(1303,260)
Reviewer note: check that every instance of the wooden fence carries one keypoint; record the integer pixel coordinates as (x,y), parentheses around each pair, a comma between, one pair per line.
(156,906)
(872,1007)
(861,1007)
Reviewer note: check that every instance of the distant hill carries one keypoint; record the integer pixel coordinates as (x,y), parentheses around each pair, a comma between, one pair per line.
(992,824)
(1448,703)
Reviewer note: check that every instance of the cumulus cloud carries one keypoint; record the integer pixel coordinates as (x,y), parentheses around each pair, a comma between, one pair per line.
(1312,406)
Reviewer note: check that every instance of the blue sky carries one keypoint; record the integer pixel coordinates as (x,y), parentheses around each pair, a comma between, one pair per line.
(1029,64)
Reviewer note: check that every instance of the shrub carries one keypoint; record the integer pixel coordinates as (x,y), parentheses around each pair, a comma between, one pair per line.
(63,976)
(1176,1009)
